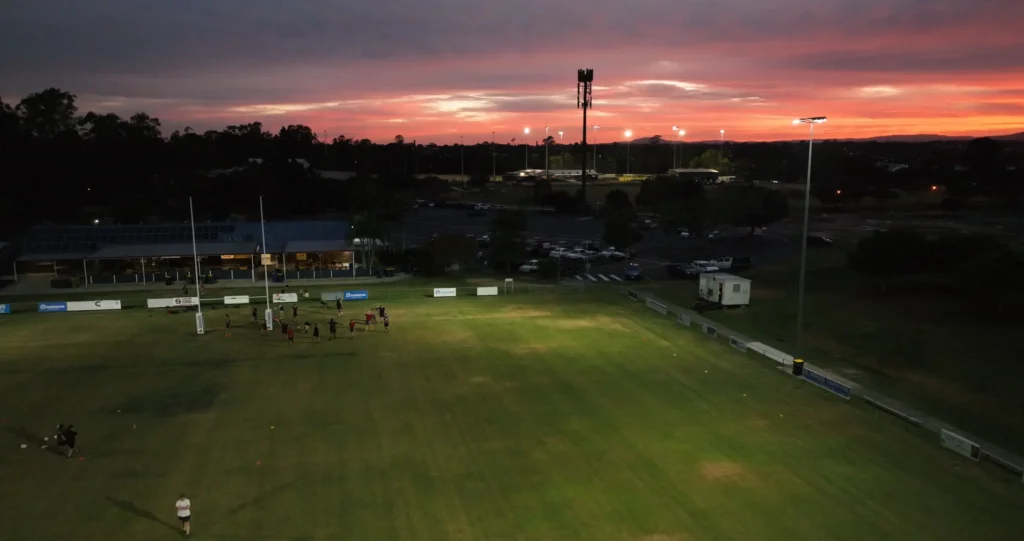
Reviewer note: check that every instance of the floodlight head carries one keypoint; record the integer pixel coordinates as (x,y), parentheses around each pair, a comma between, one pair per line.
(526,130)
(585,76)
(810,120)
(682,133)
(675,128)
(597,127)
(561,133)
(722,132)
(629,133)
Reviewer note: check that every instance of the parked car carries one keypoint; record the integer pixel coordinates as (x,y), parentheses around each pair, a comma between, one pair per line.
(532,265)
(574,253)
(557,252)
(633,272)
(732,263)
(690,270)
(819,240)
(483,240)
(612,254)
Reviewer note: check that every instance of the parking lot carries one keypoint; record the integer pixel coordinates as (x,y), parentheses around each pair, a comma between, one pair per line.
(776,244)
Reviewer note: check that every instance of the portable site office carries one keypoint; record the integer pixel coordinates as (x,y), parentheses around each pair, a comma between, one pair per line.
(724,289)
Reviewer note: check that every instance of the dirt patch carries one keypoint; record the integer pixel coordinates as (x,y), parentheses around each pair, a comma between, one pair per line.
(722,470)
(602,322)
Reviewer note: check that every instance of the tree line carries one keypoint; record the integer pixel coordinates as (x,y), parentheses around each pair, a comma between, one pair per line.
(67,166)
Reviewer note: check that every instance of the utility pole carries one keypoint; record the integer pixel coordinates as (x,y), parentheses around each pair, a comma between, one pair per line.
(584,100)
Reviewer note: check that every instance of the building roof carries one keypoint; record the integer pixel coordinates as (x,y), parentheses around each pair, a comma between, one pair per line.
(315,246)
(709,171)
(54,256)
(279,234)
(125,251)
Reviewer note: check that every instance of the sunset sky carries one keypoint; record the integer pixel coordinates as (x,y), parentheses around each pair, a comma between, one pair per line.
(435,70)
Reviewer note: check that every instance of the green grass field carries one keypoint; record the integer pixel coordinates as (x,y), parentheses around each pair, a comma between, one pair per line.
(929,349)
(545,417)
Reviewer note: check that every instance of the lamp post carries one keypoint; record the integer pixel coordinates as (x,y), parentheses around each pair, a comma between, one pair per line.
(561,150)
(547,162)
(595,149)
(675,130)
(629,135)
(803,238)
(680,133)
(526,144)
(462,159)
(721,143)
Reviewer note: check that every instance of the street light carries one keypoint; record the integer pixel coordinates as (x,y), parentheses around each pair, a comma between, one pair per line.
(526,144)
(629,135)
(595,149)
(675,129)
(547,162)
(803,239)
(721,142)
(561,150)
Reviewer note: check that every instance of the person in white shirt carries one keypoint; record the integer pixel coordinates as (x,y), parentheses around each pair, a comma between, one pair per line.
(184,507)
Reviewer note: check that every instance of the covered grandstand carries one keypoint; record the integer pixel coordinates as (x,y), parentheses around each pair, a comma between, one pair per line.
(83,255)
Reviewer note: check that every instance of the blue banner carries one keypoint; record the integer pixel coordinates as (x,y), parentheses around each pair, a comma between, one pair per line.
(829,384)
(53,307)
(5,309)
(360,295)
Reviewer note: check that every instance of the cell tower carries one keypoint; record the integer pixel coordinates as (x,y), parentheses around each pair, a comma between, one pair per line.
(584,100)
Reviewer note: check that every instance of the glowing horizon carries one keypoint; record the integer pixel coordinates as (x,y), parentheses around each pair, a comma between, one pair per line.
(464,69)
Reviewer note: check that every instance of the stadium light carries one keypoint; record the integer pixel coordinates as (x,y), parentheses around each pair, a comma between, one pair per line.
(200,327)
(595,148)
(547,163)
(811,121)
(561,150)
(629,135)
(268,314)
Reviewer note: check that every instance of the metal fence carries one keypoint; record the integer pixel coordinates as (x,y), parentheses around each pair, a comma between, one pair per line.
(831,382)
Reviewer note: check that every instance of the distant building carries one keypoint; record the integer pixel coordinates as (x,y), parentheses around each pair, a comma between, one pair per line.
(706,176)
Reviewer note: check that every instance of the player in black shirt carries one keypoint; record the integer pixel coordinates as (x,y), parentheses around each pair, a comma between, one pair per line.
(333,327)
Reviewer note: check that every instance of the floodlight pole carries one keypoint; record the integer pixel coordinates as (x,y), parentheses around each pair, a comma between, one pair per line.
(595,149)
(547,162)
(494,159)
(803,237)
(584,100)
(462,159)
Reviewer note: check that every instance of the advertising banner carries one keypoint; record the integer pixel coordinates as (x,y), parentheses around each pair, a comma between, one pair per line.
(486,291)
(5,309)
(175,302)
(90,306)
(331,296)
(286,297)
(827,383)
(444,292)
(236,299)
(360,295)
(53,307)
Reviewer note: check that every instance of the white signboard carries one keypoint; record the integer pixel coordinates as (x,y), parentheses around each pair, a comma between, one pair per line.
(444,292)
(286,297)
(237,299)
(657,306)
(268,317)
(88,306)
(172,303)
(485,291)
(200,327)
(959,444)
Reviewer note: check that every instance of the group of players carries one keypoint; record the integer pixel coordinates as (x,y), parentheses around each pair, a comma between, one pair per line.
(378,314)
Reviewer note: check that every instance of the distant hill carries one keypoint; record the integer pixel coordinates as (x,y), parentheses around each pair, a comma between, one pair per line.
(918,138)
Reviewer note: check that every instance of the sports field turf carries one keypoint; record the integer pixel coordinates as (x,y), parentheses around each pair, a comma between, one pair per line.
(558,417)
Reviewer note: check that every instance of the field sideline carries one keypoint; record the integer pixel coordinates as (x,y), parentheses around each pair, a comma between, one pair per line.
(569,417)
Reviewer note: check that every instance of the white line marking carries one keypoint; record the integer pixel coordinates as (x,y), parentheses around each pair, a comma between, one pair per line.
(603,277)
(591,277)
(616,278)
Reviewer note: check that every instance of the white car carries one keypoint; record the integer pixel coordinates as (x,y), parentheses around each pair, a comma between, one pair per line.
(723,263)
(613,254)
(532,265)
(577,253)
(700,267)
(558,252)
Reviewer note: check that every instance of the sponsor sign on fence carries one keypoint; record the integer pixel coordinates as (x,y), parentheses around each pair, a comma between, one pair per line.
(286,297)
(771,353)
(53,307)
(236,299)
(175,302)
(359,295)
(959,444)
(737,343)
(444,292)
(5,309)
(632,294)
(91,306)
(486,291)
(683,319)
(657,306)
(709,330)
(827,383)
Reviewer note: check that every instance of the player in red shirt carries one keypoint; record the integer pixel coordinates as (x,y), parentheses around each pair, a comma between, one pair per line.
(352,328)
(291,336)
